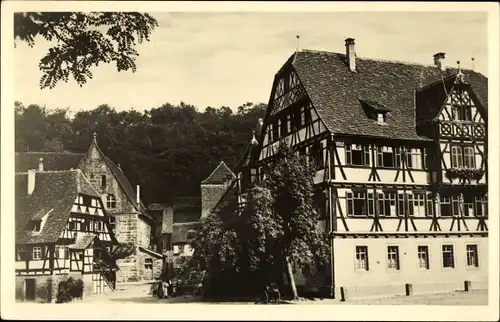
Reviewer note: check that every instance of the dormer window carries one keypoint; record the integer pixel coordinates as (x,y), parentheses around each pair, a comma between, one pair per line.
(36,222)
(381,117)
(36,226)
(374,110)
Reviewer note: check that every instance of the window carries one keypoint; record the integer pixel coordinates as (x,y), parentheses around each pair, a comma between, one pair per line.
(448,259)
(461,111)
(362,258)
(356,205)
(303,115)
(36,225)
(387,204)
(417,204)
(469,157)
(284,126)
(409,157)
(430,205)
(60,252)
(357,154)
(37,253)
(445,206)
(71,225)
(393,257)
(401,205)
(425,159)
(455,205)
(148,263)
(296,119)
(472,258)
(385,157)
(381,117)
(468,206)
(479,206)
(462,156)
(110,201)
(316,153)
(456,157)
(103,181)
(423,257)
(21,254)
(371,205)
(276,125)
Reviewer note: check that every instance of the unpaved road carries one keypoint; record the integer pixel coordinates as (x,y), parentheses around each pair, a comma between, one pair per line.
(140,294)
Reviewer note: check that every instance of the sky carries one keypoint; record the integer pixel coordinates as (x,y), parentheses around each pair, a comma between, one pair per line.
(229,58)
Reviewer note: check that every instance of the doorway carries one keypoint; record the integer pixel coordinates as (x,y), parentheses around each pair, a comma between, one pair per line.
(30,289)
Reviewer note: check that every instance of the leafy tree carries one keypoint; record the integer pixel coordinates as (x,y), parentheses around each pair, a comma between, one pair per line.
(83,41)
(167,150)
(276,230)
(290,181)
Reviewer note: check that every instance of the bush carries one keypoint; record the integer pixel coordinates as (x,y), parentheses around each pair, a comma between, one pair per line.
(69,289)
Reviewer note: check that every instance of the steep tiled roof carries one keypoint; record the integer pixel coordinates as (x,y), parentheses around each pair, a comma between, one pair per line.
(220,175)
(336,92)
(125,184)
(83,241)
(180,232)
(51,160)
(55,190)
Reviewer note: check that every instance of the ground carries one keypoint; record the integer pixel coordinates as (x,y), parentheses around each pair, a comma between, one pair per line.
(139,293)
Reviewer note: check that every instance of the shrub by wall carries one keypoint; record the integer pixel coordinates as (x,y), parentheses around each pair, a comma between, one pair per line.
(69,289)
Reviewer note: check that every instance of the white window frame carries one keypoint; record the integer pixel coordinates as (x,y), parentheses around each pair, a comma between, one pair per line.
(361,264)
(449,251)
(424,262)
(37,251)
(393,258)
(472,261)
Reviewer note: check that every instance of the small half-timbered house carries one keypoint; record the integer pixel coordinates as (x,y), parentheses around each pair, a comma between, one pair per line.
(62,229)
(128,217)
(401,156)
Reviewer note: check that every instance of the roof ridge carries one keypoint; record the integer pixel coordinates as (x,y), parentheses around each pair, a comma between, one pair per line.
(395,61)
(49,152)
(221,163)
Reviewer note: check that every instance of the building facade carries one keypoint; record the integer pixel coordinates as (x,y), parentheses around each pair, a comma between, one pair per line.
(129,219)
(401,156)
(62,230)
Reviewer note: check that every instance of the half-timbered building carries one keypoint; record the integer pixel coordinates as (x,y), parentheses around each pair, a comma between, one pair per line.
(401,156)
(62,229)
(128,217)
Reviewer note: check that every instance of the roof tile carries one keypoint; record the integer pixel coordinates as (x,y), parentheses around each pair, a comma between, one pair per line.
(336,92)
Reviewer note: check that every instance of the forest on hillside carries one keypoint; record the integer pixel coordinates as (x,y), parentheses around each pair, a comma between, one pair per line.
(167,150)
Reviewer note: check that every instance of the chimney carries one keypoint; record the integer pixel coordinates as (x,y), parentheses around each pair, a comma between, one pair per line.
(438,60)
(254,140)
(31,181)
(138,195)
(40,164)
(350,54)
(259,125)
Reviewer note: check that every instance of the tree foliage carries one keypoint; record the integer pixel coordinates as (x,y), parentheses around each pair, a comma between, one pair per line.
(276,230)
(83,41)
(168,150)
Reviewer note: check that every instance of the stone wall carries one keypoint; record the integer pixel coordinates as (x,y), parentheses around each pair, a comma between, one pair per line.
(143,233)
(46,286)
(94,167)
